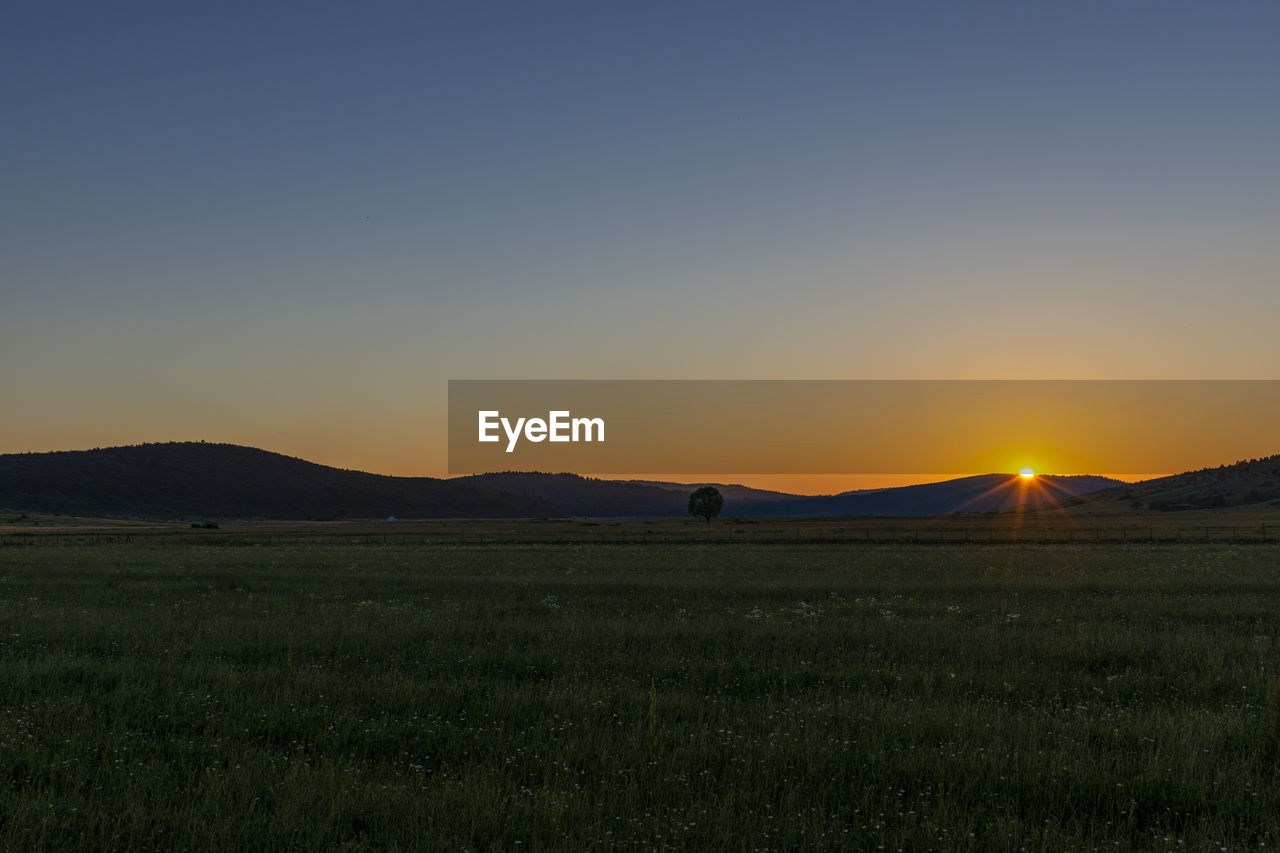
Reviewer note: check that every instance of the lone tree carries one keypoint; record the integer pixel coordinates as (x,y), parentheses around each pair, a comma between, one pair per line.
(705,503)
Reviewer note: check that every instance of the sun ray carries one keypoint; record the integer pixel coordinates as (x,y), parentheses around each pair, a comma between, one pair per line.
(1001,486)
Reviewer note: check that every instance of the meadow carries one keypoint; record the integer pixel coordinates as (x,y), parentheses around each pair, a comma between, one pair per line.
(300,696)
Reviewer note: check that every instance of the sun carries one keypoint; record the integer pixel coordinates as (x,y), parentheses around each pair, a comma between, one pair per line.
(1027,473)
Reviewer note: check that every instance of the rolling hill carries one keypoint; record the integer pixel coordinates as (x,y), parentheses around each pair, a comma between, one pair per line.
(739,495)
(572,494)
(192,480)
(198,480)
(982,493)
(1247,485)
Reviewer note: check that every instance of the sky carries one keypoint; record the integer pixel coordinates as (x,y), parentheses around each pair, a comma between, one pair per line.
(289,225)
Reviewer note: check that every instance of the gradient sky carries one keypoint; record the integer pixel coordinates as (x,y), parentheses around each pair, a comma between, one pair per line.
(289,226)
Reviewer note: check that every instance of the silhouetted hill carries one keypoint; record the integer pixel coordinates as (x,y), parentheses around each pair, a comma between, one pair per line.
(574,495)
(965,494)
(1249,485)
(738,495)
(195,480)
(192,480)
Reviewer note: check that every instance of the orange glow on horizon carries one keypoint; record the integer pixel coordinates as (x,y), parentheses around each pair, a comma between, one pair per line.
(830,484)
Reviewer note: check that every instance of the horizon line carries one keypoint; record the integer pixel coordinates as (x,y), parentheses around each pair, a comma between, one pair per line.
(796,484)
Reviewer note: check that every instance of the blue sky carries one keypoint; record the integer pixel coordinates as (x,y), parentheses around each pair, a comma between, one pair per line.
(289,226)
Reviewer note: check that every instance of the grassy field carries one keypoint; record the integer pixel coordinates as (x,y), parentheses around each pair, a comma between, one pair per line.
(729,697)
(1234,526)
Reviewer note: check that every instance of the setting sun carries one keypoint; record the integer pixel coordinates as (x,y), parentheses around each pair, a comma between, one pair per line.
(1027,473)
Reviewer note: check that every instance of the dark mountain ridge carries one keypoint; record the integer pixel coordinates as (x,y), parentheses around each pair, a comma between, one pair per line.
(189,480)
(199,480)
(731,491)
(570,493)
(1246,485)
(981,493)
(573,494)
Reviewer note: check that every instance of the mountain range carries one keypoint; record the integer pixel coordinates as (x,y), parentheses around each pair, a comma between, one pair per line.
(199,480)
(1248,485)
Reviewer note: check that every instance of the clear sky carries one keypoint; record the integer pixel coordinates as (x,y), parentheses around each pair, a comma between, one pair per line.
(288,225)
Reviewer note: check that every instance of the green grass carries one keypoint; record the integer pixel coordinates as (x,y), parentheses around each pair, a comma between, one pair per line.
(1027,528)
(721,697)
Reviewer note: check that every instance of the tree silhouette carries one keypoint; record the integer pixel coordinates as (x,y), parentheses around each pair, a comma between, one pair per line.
(706,503)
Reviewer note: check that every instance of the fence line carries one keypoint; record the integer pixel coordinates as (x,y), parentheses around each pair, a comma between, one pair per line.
(804,533)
